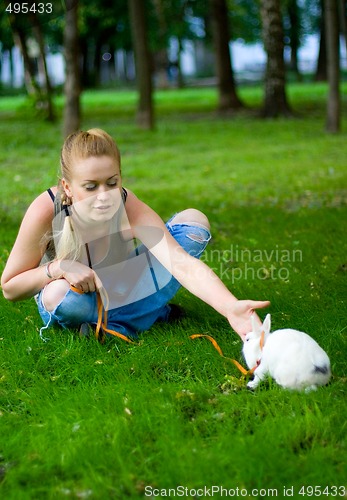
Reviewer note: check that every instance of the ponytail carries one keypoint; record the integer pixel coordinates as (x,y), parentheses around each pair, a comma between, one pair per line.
(66,240)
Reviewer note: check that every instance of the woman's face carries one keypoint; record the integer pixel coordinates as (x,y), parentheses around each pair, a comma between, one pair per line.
(95,188)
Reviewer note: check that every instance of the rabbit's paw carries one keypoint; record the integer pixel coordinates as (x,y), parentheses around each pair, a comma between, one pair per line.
(252,384)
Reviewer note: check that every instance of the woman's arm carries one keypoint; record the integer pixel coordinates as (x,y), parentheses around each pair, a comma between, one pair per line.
(192,273)
(22,277)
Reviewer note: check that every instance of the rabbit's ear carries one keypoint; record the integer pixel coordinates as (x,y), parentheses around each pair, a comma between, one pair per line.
(267,324)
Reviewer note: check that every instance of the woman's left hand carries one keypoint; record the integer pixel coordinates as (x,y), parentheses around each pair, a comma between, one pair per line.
(239,315)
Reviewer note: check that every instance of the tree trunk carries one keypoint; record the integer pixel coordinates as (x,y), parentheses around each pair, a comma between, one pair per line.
(332,32)
(42,96)
(11,62)
(161,64)
(227,96)
(48,98)
(72,88)
(180,78)
(275,92)
(31,84)
(97,61)
(321,70)
(84,52)
(161,59)
(293,13)
(144,117)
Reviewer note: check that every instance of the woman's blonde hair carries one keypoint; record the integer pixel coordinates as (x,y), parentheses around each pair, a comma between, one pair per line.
(78,146)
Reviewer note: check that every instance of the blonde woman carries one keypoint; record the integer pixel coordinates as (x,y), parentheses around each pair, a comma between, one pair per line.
(90,236)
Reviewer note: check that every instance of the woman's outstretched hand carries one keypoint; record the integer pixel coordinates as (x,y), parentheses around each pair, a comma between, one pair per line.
(239,315)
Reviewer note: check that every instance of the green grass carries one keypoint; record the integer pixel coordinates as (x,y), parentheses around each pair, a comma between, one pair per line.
(84,420)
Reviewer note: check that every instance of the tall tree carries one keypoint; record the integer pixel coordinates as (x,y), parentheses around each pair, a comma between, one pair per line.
(48,98)
(293,11)
(228,98)
(275,103)
(161,58)
(321,70)
(26,27)
(333,49)
(145,114)
(20,38)
(72,88)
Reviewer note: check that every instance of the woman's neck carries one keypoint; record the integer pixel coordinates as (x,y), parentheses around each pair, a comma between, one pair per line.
(91,230)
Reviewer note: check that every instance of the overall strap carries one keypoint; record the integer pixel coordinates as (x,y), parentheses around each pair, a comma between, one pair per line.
(50,192)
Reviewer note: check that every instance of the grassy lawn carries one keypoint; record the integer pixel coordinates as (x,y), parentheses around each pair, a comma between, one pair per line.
(84,420)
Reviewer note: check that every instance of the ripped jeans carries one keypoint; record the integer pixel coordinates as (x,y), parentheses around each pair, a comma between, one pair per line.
(137,315)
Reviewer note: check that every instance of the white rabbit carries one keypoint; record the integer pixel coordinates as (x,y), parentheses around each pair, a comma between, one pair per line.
(292,358)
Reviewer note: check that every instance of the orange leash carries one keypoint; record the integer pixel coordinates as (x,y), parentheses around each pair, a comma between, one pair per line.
(101,328)
(236,363)
(101,325)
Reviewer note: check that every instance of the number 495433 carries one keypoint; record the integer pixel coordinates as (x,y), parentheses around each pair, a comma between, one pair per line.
(328,491)
(27,8)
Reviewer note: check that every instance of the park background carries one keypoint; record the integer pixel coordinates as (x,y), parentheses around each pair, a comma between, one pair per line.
(83,420)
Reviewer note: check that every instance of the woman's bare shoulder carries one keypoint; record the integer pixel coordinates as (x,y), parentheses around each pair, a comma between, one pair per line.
(29,245)
(135,207)
(41,208)
(140,214)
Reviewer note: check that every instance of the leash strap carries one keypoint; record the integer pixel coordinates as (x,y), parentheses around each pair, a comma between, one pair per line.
(216,346)
(101,328)
(101,325)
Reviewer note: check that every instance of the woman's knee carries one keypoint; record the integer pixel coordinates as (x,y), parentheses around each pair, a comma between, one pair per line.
(54,293)
(192,217)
